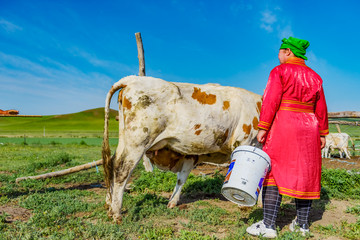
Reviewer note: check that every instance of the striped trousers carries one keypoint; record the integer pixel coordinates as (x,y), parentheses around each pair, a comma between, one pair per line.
(271,204)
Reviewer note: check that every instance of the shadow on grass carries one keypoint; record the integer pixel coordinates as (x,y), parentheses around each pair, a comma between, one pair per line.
(200,189)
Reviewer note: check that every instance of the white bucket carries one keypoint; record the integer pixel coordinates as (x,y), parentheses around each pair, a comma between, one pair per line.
(248,168)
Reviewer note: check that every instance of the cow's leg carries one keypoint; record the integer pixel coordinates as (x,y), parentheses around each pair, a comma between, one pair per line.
(347,153)
(124,164)
(187,166)
(327,152)
(147,164)
(341,153)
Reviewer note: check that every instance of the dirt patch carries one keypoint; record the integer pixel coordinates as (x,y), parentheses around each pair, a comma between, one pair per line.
(15,213)
(336,213)
(343,163)
(206,169)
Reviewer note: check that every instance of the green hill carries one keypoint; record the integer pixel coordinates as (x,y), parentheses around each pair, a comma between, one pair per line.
(85,123)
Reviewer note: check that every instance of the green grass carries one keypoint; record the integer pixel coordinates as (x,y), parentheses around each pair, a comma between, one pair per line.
(353,131)
(341,183)
(72,206)
(55,141)
(87,123)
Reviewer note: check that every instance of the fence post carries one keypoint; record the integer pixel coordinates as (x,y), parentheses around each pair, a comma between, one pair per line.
(338,128)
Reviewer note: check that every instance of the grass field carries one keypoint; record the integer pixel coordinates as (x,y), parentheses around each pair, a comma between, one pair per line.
(88,123)
(72,206)
(55,141)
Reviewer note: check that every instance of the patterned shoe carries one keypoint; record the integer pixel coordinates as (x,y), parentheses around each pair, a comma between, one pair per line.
(294,227)
(259,229)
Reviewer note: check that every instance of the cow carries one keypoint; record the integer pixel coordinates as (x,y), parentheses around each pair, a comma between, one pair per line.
(337,141)
(176,126)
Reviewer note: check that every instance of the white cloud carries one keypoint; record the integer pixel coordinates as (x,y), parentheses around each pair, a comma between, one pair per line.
(270,23)
(58,88)
(268,17)
(267,28)
(95,61)
(8,26)
(267,20)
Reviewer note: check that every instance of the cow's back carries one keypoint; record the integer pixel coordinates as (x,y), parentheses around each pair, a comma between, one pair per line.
(189,119)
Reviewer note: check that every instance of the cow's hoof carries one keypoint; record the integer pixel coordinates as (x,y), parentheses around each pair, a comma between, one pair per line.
(110,215)
(117,219)
(171,205)
(107,206)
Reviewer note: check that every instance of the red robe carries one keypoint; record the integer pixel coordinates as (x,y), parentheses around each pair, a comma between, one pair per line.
(295,114)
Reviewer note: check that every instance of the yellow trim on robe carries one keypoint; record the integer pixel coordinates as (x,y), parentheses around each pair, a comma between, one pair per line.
(265,123)
(296,102)
(296,109)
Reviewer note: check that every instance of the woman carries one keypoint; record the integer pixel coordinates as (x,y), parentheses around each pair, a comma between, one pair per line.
(293,124)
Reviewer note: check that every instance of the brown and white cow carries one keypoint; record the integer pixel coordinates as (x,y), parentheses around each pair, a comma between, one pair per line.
(176,125)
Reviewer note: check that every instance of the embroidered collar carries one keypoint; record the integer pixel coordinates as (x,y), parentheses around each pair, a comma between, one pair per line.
(297,61)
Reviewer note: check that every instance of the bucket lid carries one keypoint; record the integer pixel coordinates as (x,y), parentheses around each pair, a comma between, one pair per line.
(254,150)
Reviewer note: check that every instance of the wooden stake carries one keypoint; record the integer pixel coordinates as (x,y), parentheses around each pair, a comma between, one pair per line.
(140,54)
(338,128)
(63,172)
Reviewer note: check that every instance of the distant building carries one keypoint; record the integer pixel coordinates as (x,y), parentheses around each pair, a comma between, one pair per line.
(9,112)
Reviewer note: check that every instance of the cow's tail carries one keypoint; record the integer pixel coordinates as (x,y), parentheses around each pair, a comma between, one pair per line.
(106,152)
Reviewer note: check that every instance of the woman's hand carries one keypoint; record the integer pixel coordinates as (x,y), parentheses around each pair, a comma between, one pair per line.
(323,141)
(261,135)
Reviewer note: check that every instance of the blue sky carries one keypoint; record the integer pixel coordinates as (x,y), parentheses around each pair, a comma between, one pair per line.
(60,57)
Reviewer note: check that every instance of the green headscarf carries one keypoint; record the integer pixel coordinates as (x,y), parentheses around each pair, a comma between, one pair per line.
(296,45)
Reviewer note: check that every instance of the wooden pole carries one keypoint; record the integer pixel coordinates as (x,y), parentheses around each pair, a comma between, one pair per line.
(140,54)
(63,172)
(338,128)
(141,57)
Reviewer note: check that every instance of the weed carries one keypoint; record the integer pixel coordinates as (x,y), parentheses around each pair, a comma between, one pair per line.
(350,230)
(4,199)
(207,184)
(54,143)
(145,206)
(3,217)
(347,230)
(194,235)
(354,210)
(53,161)
(158,233)
(212,215)
(340,184)
(157,181)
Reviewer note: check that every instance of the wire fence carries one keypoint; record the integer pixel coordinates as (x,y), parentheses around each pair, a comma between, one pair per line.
(344,138)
